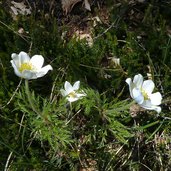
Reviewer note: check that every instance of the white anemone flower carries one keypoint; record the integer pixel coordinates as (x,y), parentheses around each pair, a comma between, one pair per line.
(71,92)
(141,92)
(29,68)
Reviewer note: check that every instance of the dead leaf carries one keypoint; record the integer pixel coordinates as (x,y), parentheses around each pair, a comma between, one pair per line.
(96,20)
(67,5)
(20,8)
(79,35)
(141,1)
(135,110)
(87,5)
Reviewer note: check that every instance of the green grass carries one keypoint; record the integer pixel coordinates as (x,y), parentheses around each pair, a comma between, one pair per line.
(99,132)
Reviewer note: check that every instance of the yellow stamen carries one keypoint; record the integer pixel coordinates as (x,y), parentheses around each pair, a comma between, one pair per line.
(72,94)
(25,66)
(146,97)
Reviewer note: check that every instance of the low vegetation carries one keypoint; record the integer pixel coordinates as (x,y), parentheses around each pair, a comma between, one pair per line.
(96,124)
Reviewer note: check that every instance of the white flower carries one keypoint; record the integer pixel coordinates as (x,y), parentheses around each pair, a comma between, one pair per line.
(29,68)
(141,92)
(71,92)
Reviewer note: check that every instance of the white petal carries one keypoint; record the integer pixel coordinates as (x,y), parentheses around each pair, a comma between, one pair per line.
(77,97)
(23,57)
(76,85)
(71,99)
(128,81)
(27,74)
(137,95)
(37,61)
(138,80)
(147,105)
(156,98)
(15,58)
(14,55)
(148,86)
(63,92)
(158,109)
(43,71)
(15,69)
(80,95)
(68,87)
(131,85)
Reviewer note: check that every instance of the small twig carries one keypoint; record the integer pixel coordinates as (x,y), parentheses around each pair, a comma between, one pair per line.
(21,123)
(140,45)
(8,159)
(12,95)
(31,44)
(111,26)
(145,166)
(7,162)
(117,152)
(124,41)
(28,146)
(168,118)
(73,117)
(14,31)
(52,98)
(53,87)
(129,155)
(98,68)
(1,63)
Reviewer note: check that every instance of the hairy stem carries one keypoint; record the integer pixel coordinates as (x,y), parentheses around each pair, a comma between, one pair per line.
(30,99)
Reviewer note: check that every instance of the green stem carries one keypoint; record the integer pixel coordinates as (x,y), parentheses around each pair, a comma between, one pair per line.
(70,110)
(70,105)
(30,99)
(69,117)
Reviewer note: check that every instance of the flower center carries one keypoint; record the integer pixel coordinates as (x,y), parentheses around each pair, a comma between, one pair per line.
(72,94)
(25,66)
(144,93)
